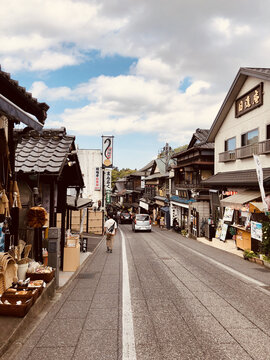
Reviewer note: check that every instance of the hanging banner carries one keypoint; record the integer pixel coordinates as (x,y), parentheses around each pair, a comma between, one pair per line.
(107,151)
(97,178)
(108,197)
(260,179)
(108,180)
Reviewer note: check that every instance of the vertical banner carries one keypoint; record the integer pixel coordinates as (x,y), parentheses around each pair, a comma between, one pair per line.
(260,179)
(107,151)
(108,179)
(108,184)
(97,178)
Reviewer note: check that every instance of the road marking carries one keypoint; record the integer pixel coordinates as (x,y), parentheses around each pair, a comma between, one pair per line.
(225,267)
(128,341)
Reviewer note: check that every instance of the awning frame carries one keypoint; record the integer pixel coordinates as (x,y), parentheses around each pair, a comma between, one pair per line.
(12,110)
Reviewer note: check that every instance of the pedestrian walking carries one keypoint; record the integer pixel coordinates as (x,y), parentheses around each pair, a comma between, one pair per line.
(110,228)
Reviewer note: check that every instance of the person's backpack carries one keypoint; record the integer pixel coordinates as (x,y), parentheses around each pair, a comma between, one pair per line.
(111,228)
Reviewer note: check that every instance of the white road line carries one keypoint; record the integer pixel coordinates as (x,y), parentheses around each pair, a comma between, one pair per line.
(225,267)
(128,341)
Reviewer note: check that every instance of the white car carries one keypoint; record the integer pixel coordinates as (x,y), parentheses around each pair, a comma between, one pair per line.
(141,222)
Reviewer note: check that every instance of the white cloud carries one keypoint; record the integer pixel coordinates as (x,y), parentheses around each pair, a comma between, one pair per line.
(205,41)
(128,104)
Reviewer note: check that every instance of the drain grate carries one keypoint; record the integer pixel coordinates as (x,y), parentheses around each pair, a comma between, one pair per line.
(85,276)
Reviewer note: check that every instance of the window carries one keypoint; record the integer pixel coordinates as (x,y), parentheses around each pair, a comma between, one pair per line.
(249,138)
(268,132)
(230,144)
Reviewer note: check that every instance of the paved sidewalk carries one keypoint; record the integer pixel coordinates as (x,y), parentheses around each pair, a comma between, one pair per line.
(228,245)
(83,322)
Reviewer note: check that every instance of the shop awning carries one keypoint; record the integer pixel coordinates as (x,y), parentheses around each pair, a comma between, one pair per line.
(238,200)
(80,204)
(258,205)
(15,112)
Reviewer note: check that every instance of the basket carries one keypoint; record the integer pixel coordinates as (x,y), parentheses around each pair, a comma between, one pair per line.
(31,294)
(47,277)
(8,270)
(16,310)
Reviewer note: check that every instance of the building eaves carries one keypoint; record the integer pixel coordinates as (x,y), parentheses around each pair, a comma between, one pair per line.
(18,95)
(240,178)
(242,75)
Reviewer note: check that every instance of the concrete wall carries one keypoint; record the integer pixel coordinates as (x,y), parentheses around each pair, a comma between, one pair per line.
(232,126)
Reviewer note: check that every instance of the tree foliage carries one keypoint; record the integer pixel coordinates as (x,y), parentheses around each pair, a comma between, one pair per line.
(118,174)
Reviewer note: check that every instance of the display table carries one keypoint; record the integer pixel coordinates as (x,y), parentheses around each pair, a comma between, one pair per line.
(243,237)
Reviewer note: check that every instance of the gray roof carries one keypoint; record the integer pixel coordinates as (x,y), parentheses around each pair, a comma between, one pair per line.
(44,152)
(237,178)
(242,75)
(157,176)
(148,166)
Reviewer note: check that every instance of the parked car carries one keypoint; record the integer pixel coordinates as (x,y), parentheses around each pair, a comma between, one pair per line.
(141,222)
(125,218)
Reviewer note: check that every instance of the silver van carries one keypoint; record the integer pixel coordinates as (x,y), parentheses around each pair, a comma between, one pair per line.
(141,222)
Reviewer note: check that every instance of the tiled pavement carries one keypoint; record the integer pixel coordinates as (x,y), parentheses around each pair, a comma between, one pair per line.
(84,323)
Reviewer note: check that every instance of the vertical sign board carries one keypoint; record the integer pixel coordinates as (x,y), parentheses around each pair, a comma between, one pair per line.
(107,151)
(97,178)
(108,184)
(108,179)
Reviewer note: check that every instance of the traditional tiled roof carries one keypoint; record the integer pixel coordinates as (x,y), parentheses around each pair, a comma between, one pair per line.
(148,166)
(198,140)
(237,178)
(44,152)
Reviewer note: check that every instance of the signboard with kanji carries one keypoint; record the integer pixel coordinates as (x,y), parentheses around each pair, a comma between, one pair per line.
(97,178)
(249,101)
(108,179)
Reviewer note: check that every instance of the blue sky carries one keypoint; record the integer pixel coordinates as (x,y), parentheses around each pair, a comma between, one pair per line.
(147,72)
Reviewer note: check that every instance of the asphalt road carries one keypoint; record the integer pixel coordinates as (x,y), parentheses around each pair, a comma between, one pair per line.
(157,296)
(192,301)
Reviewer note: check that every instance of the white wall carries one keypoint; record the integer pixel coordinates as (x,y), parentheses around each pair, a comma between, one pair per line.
(90,159)
(232,126)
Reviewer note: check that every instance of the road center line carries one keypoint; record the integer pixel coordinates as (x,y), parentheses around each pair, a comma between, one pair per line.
(128,341)
(225,267)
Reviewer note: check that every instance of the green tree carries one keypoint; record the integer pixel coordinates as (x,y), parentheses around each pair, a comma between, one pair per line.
(119,174)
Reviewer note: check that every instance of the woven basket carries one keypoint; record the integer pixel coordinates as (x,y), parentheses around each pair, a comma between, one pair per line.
(8,270)
(16,310)
(39,276)
(30,294)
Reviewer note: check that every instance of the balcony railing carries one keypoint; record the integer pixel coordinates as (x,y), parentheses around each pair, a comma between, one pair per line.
(264,147)
(227,156)
(247,151)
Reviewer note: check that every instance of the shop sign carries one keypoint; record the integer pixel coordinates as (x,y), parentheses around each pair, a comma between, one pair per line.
(256,230)
(144,205)
(108,197)
(97,178)
(107,151)
(249,101)
(228,214)
(108,179)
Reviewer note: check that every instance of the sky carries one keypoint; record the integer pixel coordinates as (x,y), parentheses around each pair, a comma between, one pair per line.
(145,71)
